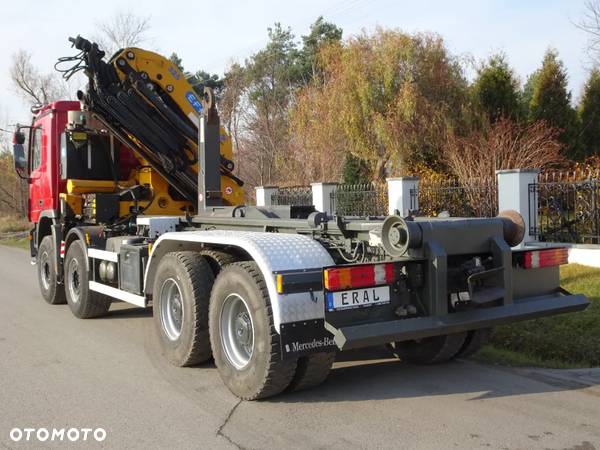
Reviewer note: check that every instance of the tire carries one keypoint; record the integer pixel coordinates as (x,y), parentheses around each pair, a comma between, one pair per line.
(312,370)
(52,292)
(181,294)
(250,365)
(474,341)
(84,303)
(218,259)
(431,350)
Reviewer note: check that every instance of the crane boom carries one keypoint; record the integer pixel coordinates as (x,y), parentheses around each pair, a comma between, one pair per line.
(147,103)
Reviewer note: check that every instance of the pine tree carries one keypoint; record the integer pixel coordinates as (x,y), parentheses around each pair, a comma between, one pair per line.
(551,101)
(589,116)
(354,170)
(496,89)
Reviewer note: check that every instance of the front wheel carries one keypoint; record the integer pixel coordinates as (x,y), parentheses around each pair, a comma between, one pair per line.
(245,344)
(52,292)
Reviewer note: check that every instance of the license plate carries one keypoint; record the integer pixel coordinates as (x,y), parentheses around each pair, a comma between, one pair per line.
(358,298)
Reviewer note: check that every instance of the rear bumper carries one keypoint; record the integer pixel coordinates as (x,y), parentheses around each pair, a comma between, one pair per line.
(358,336)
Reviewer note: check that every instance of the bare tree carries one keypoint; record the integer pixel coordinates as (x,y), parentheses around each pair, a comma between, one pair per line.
(503,145)
(13,190)
(590,23)
(123,29)
(31,84)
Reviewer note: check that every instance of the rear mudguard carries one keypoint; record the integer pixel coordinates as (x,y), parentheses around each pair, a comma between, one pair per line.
(272,252)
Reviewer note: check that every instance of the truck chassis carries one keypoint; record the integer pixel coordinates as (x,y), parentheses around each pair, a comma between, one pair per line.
(271,293)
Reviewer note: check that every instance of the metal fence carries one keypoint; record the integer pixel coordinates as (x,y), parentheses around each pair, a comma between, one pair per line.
(478,198)
(568,211)
(293,195)
(369,199)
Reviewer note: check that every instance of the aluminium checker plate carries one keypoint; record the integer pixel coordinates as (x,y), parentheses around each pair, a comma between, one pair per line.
(272,252)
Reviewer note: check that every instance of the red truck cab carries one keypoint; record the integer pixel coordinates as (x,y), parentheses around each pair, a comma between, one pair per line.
(45,183)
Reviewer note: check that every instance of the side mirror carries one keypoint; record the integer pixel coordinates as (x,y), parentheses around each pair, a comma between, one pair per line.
(19,156)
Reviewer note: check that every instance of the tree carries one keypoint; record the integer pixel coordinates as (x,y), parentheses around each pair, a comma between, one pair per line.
(200,78)
(527,93)
(590,24)
(33,85)
(121,30)
(272,74)
(504,144)
(353,171)
(551,101)
(321,33)
(389,97)
(231,102)
(13,189)
(496,89)
(589,115)
(177,61)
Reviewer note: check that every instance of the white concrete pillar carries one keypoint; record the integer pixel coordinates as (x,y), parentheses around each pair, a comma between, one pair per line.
(321,194)
(403,195)
(263,195)
(514,193)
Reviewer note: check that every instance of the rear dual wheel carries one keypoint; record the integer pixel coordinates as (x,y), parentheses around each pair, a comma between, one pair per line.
(439,349)
(245,344)
(180,307)
(236,325)
(84,303)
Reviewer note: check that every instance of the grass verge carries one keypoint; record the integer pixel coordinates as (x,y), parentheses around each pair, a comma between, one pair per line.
(565,341)
(19,243)
(12,224)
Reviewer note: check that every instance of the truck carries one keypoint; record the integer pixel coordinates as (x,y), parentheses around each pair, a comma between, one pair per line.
(133,198)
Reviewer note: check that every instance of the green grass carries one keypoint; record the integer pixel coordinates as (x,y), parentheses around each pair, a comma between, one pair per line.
(568,340)
(504,357)
(13,224)
(11,231)
(19,243)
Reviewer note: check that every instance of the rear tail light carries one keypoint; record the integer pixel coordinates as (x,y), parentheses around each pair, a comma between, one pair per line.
(338,278)
(545,258)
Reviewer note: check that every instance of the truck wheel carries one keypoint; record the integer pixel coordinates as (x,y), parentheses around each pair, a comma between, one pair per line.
(84,303)
(474,341)
(218,259)
(244,342)
(312,370)
(431,350)
(52,292)
(180,307)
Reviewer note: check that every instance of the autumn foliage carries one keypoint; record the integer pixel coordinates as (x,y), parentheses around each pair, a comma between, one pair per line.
(504,144)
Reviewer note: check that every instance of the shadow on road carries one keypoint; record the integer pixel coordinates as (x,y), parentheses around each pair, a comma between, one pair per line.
(125,311)
(370,374)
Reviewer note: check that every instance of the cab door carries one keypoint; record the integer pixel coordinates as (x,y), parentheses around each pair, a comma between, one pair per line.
(39,180)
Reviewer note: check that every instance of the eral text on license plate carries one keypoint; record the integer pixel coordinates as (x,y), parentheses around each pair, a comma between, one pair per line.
(358,298)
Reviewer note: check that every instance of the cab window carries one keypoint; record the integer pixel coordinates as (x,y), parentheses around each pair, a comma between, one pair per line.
(36,148)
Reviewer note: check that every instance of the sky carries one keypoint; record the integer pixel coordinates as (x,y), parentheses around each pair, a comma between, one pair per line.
(210,35)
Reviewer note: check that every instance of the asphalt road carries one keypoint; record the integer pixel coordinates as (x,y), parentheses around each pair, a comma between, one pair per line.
(60,372)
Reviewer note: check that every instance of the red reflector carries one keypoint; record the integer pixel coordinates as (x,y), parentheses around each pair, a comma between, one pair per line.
(545,258)
(337,278)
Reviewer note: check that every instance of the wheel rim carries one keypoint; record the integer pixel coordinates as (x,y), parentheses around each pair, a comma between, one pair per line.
(45,270)
(237,331)
(74,280)
(171,309)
